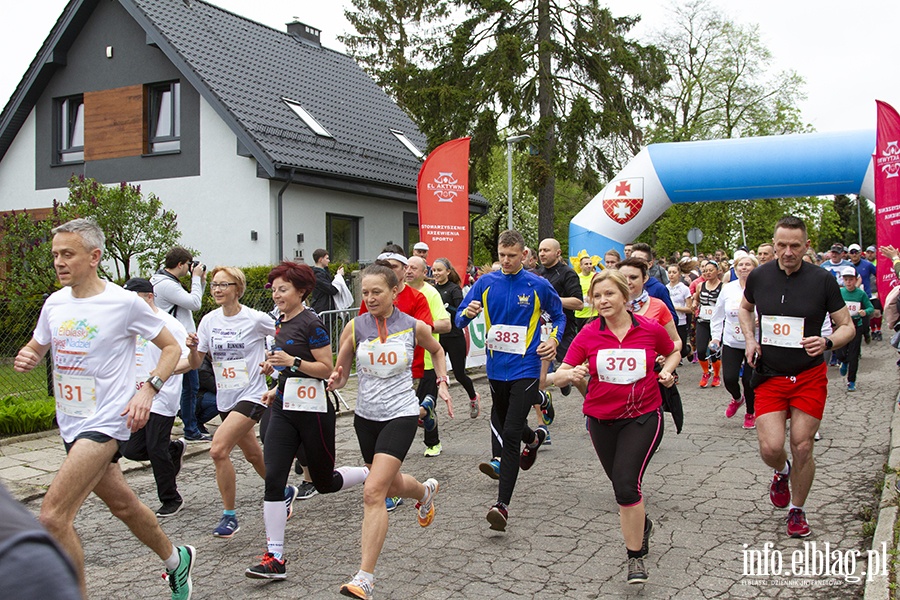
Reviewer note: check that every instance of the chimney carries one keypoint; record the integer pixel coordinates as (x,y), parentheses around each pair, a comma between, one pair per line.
(304,32)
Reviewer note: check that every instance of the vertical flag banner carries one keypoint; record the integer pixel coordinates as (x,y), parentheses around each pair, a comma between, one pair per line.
(886,165)
(443,195)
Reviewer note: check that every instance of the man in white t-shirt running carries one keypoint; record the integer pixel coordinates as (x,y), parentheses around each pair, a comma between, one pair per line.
(91,325)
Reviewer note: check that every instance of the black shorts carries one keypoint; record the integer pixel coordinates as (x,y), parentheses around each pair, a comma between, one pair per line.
(393,437)
(251,410)
(100,438)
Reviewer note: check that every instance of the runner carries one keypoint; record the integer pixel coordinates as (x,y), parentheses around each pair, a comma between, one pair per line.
(623,404)
(387,409)
(300,412)
(91,325)
(235,335)
(154,441)
(705,299)
(586,272)
(512,300)
(725,332)
(791,299)
(446,282)
(858,305)
(681,300)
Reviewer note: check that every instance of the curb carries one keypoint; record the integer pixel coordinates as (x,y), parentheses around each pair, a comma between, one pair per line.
(878,588)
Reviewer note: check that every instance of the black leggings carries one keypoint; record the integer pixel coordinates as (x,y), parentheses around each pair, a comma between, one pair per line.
(703,338)
(511,401)
(850,354)
(153,442)
(455,347)
(684,333)
(287,430)
(732,360)
(624,447)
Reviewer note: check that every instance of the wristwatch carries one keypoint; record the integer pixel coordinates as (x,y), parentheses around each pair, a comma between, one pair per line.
(444,379)
(828,344)
(296,366)
(156,383)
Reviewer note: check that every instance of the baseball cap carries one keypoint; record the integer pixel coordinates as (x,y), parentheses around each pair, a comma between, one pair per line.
(837,248)
(421,246)
(136,284)
(871,249)
(392,256)
(848,272)
(854,247)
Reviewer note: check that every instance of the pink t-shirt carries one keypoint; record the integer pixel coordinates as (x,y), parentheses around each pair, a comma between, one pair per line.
(607,400)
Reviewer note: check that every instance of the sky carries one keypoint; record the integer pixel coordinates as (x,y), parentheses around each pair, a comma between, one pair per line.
(844,50)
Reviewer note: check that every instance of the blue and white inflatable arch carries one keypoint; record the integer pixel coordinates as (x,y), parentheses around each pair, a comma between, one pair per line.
(784,166)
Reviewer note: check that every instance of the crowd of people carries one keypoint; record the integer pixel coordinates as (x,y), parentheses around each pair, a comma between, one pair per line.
(764,323)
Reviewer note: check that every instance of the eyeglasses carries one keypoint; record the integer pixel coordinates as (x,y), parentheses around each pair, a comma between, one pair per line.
(223,284)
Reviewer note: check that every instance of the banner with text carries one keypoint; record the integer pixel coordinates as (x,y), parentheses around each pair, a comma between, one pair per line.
(886,163)
(443,194)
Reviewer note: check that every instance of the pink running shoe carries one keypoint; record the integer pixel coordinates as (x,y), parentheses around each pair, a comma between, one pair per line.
(704,381)
(733,407)
(749,421)
(780,490)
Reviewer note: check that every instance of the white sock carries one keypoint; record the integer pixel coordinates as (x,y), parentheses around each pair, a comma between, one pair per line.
(370,577)
(785,470)
(275,518)
(352,475)
(173,561)
(793,506)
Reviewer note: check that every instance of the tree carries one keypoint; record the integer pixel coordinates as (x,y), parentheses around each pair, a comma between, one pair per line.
(138,229)
(562,70)
(721,87)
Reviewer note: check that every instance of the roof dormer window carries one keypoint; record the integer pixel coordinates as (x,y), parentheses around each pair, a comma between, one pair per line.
(409,145)
(307,118)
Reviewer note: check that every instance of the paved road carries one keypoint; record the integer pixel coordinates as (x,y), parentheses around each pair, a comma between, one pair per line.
(706,491)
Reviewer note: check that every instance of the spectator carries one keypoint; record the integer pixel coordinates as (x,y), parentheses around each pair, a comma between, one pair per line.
(323,295)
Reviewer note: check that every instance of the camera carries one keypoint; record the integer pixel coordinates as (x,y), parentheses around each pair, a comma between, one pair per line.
(195,264)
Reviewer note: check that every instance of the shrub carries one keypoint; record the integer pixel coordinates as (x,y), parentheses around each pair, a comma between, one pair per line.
(18,416)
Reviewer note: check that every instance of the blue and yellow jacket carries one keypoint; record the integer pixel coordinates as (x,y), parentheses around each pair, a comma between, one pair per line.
(516,299)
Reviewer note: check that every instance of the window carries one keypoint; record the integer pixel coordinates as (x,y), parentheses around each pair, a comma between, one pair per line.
(165,117)
(409,145)
(70,130)
(342,238)
(410,230)
(307,118)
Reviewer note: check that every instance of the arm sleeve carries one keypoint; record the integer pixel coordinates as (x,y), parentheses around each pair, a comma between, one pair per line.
(203,336)
(717,321)
(265,324)
(316,334)
(665,297)
(456,297)
(173,293)
(867,304)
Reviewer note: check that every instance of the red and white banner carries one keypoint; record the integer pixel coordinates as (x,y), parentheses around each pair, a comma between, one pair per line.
(443,194)
(886,163)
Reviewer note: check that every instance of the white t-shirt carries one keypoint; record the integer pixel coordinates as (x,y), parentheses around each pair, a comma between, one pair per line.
(92,343)
(236,346)
(168,400)
(724,323)
(679,293)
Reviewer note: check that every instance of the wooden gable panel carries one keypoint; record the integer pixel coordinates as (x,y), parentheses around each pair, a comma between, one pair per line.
(114,123)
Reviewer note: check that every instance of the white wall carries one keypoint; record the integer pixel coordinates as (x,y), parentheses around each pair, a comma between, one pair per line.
(17,174)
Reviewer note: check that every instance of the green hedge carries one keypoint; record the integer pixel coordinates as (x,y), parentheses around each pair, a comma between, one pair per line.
(18,416)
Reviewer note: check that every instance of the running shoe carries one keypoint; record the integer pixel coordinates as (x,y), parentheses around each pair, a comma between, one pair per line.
(491,468)
(851,386)
(428,419)
(749,421)
(290,494)
(176,451)
(306,490)
(529,452)
(648,527)
(227,527)
(359,587)
(548,413)
(797,526)
(716,382)
(733,407)
(817,437)
(475,407)
(179,579)
(867,336)
(547,441)
(704,381)
(780,490)
(197,437)
(268,568)
(565,390)
(844,369)
(170,508)
(432,451)
(834,361)
(498,516)
(637,571)
(426,509)
(392,503)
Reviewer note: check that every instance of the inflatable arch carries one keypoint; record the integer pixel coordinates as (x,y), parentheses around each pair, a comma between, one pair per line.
(784,166)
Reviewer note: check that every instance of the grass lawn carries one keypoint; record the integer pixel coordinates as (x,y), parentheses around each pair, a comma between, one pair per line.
(31,386)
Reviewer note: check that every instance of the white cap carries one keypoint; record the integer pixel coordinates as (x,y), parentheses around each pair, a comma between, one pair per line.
(421,246)
(739,255)
(848,272)
(854,247)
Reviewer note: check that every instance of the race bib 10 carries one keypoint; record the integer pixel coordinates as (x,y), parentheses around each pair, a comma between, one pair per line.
(784,332)
(706,312)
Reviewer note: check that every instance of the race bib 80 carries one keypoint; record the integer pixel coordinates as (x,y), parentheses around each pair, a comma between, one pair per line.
(784,332)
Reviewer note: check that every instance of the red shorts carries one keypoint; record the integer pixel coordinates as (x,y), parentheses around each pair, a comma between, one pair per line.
(807,392)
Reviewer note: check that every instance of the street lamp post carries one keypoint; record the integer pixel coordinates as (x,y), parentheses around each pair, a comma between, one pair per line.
(509,142)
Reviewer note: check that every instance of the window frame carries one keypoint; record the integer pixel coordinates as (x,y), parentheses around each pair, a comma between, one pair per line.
(170,142)
(66,111)
(354,233)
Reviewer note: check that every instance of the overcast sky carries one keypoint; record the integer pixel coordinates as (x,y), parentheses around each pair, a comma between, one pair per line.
(846,50)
